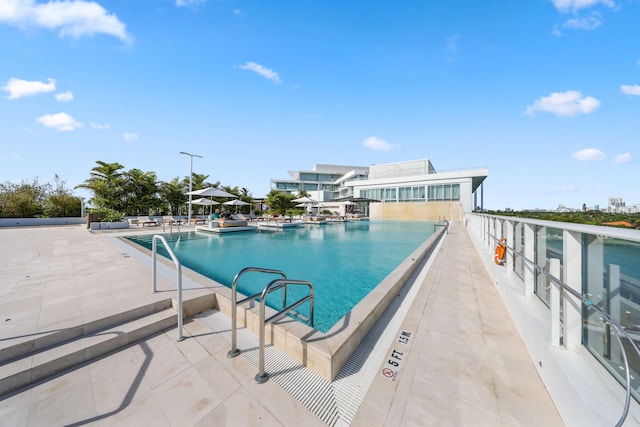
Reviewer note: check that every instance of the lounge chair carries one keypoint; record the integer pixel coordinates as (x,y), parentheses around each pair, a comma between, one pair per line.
(145,220)
(169,219)
(195,220)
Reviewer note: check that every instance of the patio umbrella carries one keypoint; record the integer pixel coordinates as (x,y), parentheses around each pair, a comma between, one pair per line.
(211,192)
(304,200)
(205,202)
(236,203)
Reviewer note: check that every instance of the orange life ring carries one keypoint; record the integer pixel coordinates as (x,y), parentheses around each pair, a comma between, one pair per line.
(501,250)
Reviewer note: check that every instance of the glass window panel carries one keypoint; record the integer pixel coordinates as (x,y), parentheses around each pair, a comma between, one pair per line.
(455,192)
(447,192)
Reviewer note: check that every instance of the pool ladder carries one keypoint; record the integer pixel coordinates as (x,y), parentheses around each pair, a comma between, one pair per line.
(273,286)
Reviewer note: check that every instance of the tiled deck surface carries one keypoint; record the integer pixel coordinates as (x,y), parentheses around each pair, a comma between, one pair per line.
(464,364)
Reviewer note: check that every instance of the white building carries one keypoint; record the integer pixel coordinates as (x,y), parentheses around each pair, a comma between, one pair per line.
(404,190)
(616,205)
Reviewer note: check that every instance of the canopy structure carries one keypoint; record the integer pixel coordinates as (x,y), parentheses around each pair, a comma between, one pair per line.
(236,203)
(205,202)
(211,192)
(304,200)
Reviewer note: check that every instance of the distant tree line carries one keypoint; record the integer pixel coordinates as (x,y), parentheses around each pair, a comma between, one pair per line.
(33,200)
(591,217)
(115,191)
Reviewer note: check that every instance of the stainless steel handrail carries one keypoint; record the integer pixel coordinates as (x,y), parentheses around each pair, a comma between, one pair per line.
(154,251)
(589,303)
(262,376)
(233,352)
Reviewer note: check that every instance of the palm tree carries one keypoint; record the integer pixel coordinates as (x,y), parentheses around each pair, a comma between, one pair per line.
(173,194)
(106,184)
(140,192)
(279,202)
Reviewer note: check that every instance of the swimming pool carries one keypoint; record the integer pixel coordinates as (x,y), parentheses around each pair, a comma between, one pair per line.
(344,261)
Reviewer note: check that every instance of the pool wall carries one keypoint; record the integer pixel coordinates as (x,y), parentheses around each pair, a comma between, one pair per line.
(323,352)
(326,352)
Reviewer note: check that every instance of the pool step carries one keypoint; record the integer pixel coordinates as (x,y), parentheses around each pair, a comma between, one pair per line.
(39,364)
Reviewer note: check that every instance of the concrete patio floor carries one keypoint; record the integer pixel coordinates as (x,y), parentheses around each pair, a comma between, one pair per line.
(462,361)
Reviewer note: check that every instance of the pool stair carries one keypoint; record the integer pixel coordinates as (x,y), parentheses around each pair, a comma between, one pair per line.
(40,356)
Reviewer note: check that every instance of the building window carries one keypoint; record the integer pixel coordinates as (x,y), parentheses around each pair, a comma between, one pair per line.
(411,194)
(443,192)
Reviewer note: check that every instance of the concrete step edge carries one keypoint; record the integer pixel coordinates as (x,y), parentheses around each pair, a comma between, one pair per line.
(33,368)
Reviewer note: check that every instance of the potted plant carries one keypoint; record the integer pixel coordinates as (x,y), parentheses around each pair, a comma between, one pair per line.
(111,219)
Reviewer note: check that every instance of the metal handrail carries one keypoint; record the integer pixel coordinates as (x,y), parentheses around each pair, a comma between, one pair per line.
(590,303)
(233,352)
(262,376)
(154,251)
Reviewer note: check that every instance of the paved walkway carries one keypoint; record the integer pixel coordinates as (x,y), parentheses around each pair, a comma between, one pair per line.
(463,364)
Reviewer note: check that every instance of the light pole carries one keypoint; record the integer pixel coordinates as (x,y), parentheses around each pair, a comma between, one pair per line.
(191,156)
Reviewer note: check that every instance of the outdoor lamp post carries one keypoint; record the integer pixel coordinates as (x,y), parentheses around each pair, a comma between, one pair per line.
(191,156)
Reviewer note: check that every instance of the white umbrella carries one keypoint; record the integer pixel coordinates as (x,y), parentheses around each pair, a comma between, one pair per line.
(304,199)
(205,202)
(211,192)
(236,203)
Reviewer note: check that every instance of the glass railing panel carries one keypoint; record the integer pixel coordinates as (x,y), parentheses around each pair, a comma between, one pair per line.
(611,279)
(548,245)
(518,245)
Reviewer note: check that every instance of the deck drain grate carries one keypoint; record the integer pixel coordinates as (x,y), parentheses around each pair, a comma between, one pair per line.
(334,402)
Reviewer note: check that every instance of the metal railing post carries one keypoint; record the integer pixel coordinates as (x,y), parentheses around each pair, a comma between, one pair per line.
(154,247)
(233,352)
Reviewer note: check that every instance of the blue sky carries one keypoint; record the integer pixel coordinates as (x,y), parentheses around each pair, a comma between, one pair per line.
(545,93)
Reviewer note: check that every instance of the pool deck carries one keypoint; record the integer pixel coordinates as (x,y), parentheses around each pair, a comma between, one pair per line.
(462,361)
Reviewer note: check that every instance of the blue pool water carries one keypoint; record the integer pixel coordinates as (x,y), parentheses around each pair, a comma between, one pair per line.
(344,261)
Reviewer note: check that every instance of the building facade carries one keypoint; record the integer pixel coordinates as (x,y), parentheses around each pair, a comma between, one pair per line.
(411,190)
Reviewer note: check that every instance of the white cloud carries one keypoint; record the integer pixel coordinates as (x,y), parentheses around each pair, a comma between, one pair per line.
(18,88)
(589,23)
(588,154)
(630,89)
(264,72)
(575,5)
(98,126)
(564,104)
(75,18)
(623,158)
(60,121)
(130,136)
(377,144)
(64,96)
(184,3)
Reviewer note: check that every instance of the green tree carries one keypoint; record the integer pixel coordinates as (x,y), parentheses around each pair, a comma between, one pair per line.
(279,202)
(24,200)
(140,192)
(173,195)
(60,202)
(106,183)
